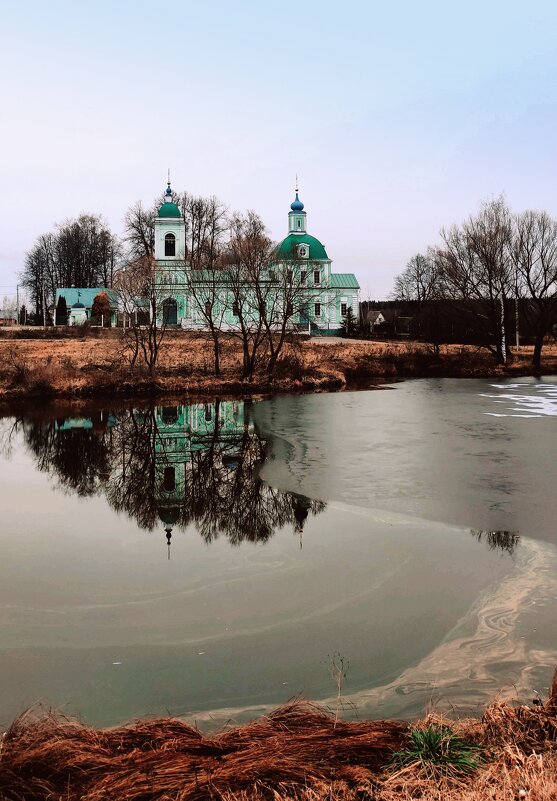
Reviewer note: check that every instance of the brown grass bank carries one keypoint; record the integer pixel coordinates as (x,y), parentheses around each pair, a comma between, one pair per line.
(96,365)
(297,752)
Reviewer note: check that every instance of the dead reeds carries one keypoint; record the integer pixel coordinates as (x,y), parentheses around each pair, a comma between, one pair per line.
(299,752)
(299,746)
(92,365)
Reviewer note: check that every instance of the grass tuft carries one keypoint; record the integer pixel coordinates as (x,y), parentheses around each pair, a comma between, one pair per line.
(438,747)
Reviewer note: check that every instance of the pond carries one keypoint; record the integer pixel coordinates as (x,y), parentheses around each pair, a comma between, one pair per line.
(213,560)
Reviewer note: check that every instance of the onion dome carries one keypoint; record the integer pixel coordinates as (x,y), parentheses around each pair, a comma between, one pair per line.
(297,204)
(168,208)
(169,514)
(78,305)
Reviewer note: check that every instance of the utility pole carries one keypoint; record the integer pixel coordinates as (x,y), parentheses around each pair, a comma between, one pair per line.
(17,304)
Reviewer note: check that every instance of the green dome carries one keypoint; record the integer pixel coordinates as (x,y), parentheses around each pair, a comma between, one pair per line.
(169,514)
(169,209)
(287,249)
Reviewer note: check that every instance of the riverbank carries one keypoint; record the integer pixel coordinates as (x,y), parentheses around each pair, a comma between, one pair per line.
(96,366)
(299,752)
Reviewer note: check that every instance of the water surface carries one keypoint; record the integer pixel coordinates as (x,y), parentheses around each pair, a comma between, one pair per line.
(216,559)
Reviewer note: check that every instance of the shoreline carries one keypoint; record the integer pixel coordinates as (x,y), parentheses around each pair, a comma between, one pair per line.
(298,752)
(94,368)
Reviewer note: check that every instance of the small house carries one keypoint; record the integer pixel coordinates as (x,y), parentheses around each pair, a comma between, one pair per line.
(7,318)
(79,303)
(372,319)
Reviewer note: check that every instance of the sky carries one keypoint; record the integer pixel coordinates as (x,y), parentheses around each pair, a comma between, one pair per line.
(399,118)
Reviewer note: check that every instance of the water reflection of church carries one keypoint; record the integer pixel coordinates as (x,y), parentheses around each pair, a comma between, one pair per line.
(187,430)
(179,465)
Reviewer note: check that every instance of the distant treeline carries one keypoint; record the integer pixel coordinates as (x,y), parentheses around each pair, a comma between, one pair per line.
(467,288)
(444,321)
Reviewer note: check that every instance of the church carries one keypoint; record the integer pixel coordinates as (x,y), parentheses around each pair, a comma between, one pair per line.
(324,296)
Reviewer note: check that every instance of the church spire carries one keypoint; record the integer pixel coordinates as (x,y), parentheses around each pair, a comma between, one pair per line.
(297,215)
(297,204)
(168,531)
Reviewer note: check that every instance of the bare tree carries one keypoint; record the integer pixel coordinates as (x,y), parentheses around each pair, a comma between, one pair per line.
(476,268)
(534,256)
(141,298)
(419,281)
(207,290)
(139,228)
(284,297)
(206,223)
(81,252)
(420,284)
(247,278)
(39,276)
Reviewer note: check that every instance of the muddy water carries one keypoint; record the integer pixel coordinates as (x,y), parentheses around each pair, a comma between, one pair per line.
(217,559)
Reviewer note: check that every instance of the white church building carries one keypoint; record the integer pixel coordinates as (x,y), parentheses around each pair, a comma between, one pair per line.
(327,295)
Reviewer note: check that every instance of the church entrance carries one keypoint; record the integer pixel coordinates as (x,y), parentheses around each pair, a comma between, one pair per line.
(170,312)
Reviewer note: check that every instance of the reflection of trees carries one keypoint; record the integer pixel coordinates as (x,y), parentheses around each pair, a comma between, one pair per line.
(225,494)
(136,465)
(130,486)
(151,466)
(498,540)
(79,459)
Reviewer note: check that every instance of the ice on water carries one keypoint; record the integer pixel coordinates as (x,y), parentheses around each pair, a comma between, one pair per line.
(524,400)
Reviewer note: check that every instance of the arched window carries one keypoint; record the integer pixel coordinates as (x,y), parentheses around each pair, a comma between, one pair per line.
(170,245)
(169,414)
(169,480)
(170,312)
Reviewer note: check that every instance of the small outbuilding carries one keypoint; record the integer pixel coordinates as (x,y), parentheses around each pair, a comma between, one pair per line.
(7,318)
(80,302)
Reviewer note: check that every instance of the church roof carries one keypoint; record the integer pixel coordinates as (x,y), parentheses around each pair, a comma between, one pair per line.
(169,209)
(169,514)
(344,281)
(287,248)
(86,296)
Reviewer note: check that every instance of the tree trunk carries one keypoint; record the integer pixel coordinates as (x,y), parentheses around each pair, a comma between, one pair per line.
(503,343)
(216,352)
(537,357)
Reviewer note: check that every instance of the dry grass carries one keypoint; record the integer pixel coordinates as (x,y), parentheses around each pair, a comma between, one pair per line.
(298,752)
(296,746)
(96,365)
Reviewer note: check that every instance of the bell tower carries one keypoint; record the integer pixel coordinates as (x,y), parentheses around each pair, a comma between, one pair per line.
(170,233)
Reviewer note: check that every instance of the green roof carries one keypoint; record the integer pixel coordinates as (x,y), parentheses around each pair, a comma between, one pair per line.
(169,514)
(344,281)
(287,248)
(86,296)
(169,210)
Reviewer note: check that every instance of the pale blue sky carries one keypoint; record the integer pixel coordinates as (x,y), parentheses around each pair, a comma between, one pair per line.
(399,118)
